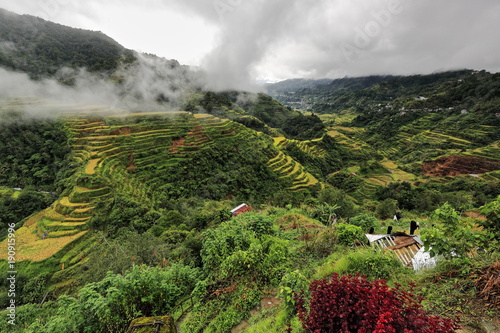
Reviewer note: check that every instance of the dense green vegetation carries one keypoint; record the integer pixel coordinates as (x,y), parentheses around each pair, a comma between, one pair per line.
(41,48)
(319,95)
(32,152)
(154,193)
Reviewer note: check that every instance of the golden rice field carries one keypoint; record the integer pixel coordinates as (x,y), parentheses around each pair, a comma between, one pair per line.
(90,168)
(30,246)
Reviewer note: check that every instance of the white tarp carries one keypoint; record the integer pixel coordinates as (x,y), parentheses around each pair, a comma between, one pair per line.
(423,260)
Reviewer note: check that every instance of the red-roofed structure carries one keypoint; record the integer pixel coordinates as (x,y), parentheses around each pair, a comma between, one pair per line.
(243,208)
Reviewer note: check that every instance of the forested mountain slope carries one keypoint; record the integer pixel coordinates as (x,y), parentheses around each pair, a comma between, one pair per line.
(42,48)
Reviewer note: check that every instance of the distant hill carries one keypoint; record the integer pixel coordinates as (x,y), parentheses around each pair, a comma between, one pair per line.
(302,93)
(140,82)
(464,88)
(292,85)
(41,48)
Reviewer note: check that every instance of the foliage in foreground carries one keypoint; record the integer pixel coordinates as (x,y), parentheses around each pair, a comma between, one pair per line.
(110,305)
(354,304)
(453,236)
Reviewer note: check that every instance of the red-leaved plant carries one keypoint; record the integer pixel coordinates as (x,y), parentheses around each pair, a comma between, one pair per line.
(347,304)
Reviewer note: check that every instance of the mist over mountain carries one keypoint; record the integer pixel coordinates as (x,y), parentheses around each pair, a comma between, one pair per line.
(71,65)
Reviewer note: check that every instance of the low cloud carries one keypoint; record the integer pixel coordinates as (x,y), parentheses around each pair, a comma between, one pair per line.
(151,83)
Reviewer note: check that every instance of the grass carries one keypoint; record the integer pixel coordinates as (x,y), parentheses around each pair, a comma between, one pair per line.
(273,320)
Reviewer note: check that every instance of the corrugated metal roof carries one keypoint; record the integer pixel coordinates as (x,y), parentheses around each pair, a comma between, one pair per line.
(238,208)
(404,247)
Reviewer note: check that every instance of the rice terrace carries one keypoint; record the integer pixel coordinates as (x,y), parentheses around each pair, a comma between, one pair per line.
(142,194)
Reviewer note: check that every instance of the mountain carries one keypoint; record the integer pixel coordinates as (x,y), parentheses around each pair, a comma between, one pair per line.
(303,94)
(120,208)
(42,48)
(291,85)
(460,89)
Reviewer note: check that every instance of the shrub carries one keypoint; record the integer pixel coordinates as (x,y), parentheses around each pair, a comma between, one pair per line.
(143,291)
(292,284)
(171,219)
(174,236)
(348,234)
(354,304)
(233,249)
(453,236)
(375,265)
(386,209)
(364,221)
(492,213)
(258,223)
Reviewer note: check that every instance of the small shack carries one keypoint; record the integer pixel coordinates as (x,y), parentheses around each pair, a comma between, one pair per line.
(404,246)
(409,249)
(243,208)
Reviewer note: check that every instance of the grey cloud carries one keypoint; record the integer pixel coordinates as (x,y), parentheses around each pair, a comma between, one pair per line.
(333,38)
(384,37)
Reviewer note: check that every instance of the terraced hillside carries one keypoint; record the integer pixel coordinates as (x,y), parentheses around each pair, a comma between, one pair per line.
(295,174)
(414,145)
(350,138)
(305,146)
(124,154)
(49,231)
(117,151)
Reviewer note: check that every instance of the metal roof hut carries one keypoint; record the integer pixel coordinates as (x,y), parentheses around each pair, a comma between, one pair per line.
(243,208)
(409,249)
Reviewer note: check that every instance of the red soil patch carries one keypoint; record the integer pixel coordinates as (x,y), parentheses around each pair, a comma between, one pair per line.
(121,131)
(459,165)
(197,135)
(176,144)
(131,162)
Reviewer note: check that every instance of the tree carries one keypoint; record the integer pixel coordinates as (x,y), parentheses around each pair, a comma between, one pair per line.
(365,221)
(453,236)
(386,209)
(336,197)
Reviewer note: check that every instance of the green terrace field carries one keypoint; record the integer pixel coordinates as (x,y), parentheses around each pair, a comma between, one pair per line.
(305,146)
(350,137)
(287,168)
(120,154)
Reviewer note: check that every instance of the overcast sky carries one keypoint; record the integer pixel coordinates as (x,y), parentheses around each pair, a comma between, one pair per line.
(242,40)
